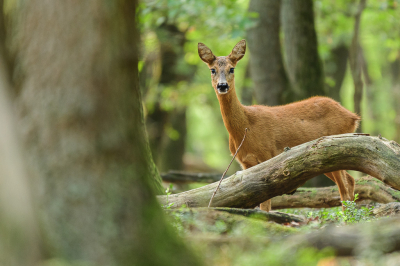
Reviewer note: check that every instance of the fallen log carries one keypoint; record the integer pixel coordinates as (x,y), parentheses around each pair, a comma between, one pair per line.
(284,173)
(181,177)
(384,210)
(277,217)
(367,188)
(363,239)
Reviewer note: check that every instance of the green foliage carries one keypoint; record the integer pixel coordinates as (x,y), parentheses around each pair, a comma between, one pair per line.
(167,205)
(351,213)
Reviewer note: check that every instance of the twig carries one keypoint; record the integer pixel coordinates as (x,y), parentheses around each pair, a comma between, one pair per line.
(209,204)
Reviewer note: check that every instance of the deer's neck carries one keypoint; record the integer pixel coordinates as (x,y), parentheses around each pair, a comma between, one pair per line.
(233,114)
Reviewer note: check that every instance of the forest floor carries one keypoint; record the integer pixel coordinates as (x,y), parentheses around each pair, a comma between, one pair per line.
(307,237)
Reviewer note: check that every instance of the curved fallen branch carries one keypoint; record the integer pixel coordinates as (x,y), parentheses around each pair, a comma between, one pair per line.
(367,188)
(284,173)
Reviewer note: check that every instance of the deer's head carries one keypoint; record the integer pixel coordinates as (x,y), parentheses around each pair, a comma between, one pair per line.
(223,67)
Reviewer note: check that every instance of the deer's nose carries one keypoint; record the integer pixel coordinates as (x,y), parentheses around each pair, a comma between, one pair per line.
(222,87)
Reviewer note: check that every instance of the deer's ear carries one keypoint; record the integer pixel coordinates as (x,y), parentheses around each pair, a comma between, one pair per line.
(205,53)
(238,51)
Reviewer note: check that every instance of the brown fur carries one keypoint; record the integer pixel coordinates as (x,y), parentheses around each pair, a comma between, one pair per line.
(271,129)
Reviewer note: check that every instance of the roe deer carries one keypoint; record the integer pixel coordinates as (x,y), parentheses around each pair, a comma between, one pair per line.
(271,129)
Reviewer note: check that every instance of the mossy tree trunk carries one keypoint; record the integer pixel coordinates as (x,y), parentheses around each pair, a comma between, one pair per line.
(82,122)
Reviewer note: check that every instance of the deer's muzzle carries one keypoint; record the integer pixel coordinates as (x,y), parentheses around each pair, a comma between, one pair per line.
(222,88)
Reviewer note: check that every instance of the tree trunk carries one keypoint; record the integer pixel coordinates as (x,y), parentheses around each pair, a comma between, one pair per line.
(20,240)
(304,66)
(172,154)
(82,122)
(335,68)
(247,89)
(356,61)
(284,173)
(159,121)
(395,67)
(266,64)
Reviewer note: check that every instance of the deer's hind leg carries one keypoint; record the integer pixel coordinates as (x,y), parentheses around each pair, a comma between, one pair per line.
(266,205)
(345,183)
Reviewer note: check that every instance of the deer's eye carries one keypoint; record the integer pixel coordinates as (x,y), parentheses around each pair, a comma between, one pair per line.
(232,70)
(213,71)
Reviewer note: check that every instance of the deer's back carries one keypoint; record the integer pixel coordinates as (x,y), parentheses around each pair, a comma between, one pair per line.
(271,129)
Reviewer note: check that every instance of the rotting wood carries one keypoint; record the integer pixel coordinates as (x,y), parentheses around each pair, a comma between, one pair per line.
(289,170)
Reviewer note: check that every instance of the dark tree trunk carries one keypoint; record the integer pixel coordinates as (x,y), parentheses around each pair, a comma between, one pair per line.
(304,66)
(395,67)
(335,68)
(266,64)
(172,154)
(172,42)
(247,89)
(82,121)
(356,61)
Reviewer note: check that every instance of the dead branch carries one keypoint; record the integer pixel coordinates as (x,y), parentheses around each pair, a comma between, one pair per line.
(233,158)
(289,170)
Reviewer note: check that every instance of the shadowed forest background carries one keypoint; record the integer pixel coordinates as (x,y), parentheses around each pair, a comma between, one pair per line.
(100,98)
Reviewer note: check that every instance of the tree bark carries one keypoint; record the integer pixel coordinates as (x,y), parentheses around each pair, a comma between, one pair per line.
(266,63)
(356,61)
(20,241)
(82,121)
(303,64)
(389,209)
(367,188)
(284,173)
